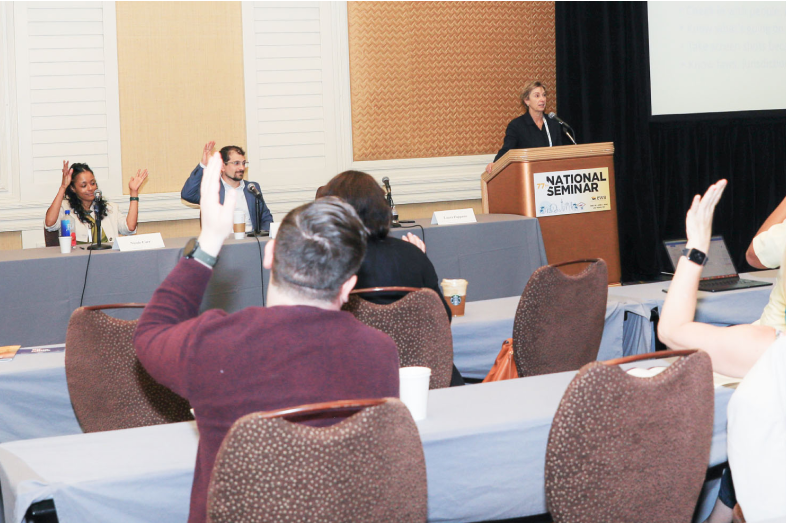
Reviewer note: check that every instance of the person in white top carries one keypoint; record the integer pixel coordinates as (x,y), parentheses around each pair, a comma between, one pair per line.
(756,413)
(77,194)
(765,252)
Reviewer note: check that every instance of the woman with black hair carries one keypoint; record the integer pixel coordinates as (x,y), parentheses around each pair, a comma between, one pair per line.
(77,194)
(389,262)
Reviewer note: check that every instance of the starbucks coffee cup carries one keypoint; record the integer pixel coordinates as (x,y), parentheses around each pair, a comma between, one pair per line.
(455,292)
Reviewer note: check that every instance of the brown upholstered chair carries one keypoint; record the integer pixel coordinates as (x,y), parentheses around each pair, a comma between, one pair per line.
(51,238)
(559,320)
(623,448)
(418,325)
(367,468)
(109,388)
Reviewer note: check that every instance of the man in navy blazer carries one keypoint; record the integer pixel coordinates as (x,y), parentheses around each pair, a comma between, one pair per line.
(232,172)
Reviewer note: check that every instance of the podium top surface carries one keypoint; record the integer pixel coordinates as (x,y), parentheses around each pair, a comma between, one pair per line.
(559,152)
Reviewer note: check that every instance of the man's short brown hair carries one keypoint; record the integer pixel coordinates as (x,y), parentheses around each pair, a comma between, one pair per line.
(319,246)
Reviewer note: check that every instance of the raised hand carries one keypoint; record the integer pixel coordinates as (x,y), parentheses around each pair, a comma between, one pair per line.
(67,174)
(698,222)
(206,152)
(415,240)
(136,182)
(216,218)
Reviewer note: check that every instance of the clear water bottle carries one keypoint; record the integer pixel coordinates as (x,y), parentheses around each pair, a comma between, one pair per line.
(65,225)
(394,221)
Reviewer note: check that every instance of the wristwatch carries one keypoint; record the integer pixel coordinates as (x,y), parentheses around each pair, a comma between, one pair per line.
(695,255)
(192,251)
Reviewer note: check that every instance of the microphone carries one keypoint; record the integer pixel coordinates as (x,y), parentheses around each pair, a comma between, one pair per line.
(253,190)
(389,195)
(563,123)
(98,201)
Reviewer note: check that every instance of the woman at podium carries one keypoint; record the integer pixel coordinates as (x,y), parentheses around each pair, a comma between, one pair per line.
(532,129)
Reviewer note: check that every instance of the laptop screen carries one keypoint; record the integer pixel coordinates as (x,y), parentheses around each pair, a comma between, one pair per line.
(719,262)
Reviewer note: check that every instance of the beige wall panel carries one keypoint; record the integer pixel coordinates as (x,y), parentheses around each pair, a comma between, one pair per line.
(414,211)
(171,229)
(180,68)
(432,79)
(10,241)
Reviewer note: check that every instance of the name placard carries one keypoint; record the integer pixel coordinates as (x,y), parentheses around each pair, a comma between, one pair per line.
(572,192)
(139,242)
(453,217)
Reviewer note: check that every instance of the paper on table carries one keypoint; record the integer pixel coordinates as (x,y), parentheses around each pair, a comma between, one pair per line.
(8,352)
(719,380)
(640,372)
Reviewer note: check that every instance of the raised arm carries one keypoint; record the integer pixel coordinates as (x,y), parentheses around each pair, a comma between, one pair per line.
(134,184)
(733,350)
(53,212)
(778,216)
(171,323)
(191,188)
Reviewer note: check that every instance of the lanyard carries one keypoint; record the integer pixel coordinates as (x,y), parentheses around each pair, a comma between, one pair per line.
(547,131)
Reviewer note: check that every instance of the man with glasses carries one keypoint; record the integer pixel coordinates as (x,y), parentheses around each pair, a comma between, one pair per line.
(232,171)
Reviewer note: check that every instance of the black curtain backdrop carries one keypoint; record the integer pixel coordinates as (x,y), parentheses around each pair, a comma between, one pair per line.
(603,86)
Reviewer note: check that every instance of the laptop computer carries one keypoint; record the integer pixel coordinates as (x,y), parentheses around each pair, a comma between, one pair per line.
(719,274)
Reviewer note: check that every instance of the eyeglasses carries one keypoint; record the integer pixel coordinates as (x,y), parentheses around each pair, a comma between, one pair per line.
(237,163)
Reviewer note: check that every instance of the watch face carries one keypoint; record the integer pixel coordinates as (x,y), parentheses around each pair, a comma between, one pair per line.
(188,250)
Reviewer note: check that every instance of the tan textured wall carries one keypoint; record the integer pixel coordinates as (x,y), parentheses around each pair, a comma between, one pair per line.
(181,85)
(171,229)
(10,241)
(442,78)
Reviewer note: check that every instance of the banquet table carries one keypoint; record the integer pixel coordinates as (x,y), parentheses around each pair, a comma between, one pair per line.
(718,308)
(43,287)
(484,459)
(478,335)
(36,402)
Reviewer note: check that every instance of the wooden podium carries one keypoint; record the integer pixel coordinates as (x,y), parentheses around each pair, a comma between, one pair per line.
(510,189)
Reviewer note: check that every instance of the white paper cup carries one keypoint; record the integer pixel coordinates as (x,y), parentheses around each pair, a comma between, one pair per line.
(239,225)
(413,389)
(274,229)
(65,244)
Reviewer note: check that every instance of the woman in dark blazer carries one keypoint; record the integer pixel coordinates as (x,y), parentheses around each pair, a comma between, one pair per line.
(532,129)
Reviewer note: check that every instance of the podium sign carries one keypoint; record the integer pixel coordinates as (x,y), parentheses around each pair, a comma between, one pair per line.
(572,192)
(556,185)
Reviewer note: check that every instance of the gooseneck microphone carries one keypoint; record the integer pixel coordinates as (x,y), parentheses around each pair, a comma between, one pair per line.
(564,124)
(389,195)
(254,191)
(98,203)
(257,209)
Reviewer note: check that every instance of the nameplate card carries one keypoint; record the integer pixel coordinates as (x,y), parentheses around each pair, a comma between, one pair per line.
(453,217)
(572,192)
(273,230)
(139,242)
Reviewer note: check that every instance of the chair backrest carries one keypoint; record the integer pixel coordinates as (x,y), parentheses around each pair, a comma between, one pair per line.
(559,320)
(418,325)
(51,238)
(109,388)
(369,467)
(623,448)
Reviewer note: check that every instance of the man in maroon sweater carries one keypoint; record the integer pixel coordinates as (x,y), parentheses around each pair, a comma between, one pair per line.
(300,349)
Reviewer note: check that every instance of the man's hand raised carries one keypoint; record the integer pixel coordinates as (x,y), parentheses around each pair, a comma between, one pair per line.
(216,218)
(206,152)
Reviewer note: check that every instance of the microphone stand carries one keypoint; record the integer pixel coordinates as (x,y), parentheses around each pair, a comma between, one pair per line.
(258,232)
(98,246)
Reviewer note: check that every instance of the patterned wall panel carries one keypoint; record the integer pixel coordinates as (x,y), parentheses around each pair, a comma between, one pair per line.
(433,79)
